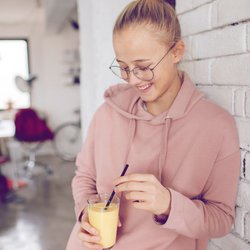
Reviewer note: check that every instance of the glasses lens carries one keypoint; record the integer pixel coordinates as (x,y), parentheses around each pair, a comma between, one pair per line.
(145,74)
(118,71)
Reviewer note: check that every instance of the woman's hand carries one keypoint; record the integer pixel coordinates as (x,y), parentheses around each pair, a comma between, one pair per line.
(146,192)
(88,234)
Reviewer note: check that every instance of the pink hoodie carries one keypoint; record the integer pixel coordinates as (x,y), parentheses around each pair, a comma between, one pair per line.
(193,149)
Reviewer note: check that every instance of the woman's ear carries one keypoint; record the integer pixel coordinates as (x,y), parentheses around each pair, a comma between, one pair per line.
(178,51)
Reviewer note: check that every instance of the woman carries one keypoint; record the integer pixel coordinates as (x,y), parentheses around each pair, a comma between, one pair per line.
(182,149)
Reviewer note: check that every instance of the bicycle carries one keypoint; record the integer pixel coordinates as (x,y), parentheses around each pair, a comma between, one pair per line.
(67,139)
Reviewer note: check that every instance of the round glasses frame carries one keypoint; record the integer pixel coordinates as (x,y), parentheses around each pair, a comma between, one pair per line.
(136,70)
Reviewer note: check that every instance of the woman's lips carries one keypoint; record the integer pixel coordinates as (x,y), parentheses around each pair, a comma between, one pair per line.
(144,87)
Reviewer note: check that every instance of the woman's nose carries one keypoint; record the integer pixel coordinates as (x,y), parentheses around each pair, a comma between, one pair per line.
(132,79)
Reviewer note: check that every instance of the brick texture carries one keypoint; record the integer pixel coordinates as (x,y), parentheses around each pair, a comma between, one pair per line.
(247,227)
(244,132)
(212,246)
(217,38)
(247,103)
(231,70)
(220,42)
(202,71)
(243,199)
(196,3)
(221,96)
(247,166)
(239,11)
(231,242)
(239,225)
(243,170)
(183,6)
(239,102)
(199,17)
(248,36)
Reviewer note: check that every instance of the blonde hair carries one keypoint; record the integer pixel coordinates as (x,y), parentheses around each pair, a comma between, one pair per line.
(158,14)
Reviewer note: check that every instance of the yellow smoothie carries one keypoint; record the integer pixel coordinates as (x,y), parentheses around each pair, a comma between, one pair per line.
(105,221)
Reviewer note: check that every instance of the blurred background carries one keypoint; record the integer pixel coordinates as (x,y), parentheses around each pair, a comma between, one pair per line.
(39,91)
(54,59)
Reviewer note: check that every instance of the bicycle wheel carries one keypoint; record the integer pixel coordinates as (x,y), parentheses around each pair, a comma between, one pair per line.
(67,141)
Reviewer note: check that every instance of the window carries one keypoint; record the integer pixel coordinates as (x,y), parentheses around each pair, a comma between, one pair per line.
(13,62)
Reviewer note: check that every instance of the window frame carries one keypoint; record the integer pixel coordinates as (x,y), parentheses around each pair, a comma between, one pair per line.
(28,56)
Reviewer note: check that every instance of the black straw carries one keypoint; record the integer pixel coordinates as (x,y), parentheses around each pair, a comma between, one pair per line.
(113,192)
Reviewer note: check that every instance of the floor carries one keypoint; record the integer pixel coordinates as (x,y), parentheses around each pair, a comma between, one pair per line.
(43,218)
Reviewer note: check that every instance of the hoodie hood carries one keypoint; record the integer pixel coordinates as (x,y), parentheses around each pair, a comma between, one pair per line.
(123,98)
(126,101)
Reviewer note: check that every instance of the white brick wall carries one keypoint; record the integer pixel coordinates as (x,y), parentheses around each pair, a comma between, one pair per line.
(212,246)
(217,38)
(240,221)
(239,102)
(247,165)
(200,20)
(231,242)
(243,199)
(248,36)
(231,70)
(243,125)
(220,42)
(220,95)
(247,226)
(247,103)
(182,6)
(230,11)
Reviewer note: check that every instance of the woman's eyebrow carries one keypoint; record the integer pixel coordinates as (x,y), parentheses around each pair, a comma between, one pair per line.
(138,60)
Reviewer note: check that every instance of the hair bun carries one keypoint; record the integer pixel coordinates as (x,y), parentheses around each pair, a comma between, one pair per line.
(171,2)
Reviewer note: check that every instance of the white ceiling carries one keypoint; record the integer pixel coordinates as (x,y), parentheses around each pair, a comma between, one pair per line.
(55,12)
(15,11)
(58,13)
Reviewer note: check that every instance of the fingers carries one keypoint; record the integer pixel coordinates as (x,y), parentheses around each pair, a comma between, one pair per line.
(88,234)
(141,205)
(85,226)
(146,189)
(137,196)
(135,177)
(88,228)
(88,238)
(133,186)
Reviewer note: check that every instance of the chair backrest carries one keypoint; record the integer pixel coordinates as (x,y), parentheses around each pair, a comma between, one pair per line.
(30,127)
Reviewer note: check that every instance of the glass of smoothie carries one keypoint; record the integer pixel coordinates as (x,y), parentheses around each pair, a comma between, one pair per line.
(104,219)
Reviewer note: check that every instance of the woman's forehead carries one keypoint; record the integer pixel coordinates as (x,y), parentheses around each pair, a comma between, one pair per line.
(136,35)
(136,42)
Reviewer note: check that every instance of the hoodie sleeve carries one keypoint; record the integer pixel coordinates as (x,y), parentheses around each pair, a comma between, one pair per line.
(213,213)
(84,181)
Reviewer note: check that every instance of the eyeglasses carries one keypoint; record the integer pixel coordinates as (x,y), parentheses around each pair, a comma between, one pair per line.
(144,74)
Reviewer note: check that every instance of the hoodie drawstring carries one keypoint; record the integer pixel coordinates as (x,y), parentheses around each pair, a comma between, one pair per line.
(164,143)
(164,147)
(131,135)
